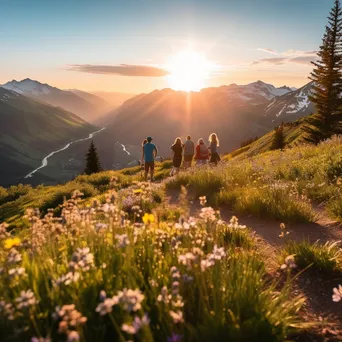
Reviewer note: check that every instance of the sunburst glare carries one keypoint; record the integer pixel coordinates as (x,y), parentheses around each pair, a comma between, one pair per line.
(189,71)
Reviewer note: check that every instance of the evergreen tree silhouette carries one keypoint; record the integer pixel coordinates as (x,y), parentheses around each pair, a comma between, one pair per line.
(278,142)
(92,160)
(327,86)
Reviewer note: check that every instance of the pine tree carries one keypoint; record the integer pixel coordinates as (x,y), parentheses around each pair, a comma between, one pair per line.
(278,142)
(92,160)
(327,82)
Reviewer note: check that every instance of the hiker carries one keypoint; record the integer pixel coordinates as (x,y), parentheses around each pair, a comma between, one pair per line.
(177,149)
(149,153)
(189,151)
(202,153)
(213,145)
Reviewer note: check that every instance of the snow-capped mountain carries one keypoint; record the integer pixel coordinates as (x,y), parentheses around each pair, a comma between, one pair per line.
(29,87)
(254,93)
(68,100)
(291,106)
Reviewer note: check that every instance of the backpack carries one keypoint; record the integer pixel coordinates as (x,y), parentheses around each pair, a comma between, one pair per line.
(204,152)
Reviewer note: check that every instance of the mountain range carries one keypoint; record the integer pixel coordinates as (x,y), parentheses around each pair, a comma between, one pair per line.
(86,105)
(31,127)
(234,112)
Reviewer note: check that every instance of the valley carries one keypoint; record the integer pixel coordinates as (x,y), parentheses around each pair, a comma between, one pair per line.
(234,112)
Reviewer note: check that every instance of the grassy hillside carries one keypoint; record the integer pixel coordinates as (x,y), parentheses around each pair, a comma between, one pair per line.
(30,130)
(293,135)
(127,261)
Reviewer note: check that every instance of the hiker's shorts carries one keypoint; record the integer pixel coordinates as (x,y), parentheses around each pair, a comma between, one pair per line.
(149,166)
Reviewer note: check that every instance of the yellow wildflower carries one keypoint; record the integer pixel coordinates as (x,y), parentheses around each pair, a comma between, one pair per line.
(137,191)
(9,243)
(148,218)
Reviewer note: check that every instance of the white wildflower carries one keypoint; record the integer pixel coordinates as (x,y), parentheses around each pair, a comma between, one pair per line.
(177,317)
(26,300)
(137,324)
(337,294)
(289,262)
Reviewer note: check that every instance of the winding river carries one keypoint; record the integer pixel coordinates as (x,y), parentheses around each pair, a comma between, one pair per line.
(45,160)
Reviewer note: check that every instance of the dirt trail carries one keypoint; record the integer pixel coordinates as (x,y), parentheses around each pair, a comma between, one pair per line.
(317,288)
(325,229)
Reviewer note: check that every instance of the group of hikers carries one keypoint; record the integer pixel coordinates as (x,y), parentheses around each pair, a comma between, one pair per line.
(182,152)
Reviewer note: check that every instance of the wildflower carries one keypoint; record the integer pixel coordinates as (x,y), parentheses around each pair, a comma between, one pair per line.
(70,318)
(26,299)
(73,336)
(10,243)
(129,299)
(177,317)
(101,227)
(164,296)
(208,214)
(106,307)
(7,309)
(137,191)
(137,324)
(3,230)
(13,257)
(103,295)
(81,259)
(122,240)
(17,272)
(289,262)
(40,339)
(337,294)
(148,218)
(203,200)
(174,338)
(234,223)
(67,279)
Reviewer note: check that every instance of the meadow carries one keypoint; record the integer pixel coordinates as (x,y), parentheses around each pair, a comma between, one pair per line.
(107,257)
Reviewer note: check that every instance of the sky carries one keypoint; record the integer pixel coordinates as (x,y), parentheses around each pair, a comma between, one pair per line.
(127,45)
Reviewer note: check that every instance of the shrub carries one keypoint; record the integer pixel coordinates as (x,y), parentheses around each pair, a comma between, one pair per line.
(3,195)
(334,207)
(321,257)
(61,193)
(16,191)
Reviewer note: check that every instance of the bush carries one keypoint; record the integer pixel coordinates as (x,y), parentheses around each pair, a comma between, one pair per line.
(61,193)
(3,195)
(334,207)
(323,258)
(16,191)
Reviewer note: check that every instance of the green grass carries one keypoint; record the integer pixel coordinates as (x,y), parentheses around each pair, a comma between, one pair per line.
(232,298)
(326,258)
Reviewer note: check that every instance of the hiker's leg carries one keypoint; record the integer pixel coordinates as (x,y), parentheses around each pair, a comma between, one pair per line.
(146,170)
(152,171)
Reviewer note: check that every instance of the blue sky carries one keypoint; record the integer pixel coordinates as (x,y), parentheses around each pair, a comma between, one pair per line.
(247,39)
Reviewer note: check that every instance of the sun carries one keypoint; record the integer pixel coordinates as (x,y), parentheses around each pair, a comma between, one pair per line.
(189,71)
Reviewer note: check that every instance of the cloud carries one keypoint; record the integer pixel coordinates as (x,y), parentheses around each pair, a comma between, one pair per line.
(289,56)
(275,61)
(121,69)
(272,52)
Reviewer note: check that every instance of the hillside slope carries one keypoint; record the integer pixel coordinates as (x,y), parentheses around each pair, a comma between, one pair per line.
(29,130)
(85,106)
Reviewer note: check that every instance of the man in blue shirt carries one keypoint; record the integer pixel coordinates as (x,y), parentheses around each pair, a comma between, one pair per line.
(149,153)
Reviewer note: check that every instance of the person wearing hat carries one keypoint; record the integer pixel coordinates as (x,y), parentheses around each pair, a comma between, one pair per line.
(148,155)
